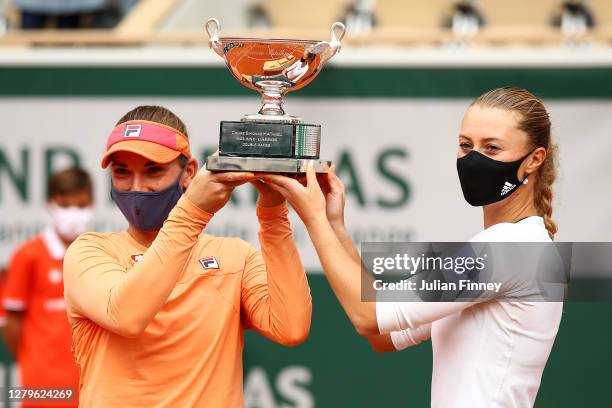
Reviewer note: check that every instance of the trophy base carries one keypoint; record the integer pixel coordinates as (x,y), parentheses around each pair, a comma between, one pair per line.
(265,164)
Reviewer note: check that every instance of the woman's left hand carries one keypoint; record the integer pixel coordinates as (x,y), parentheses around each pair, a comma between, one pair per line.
(268,196)
(308,201)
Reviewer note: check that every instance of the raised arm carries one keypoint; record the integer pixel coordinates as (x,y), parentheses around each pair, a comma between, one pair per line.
(99,288)
(276,297)
(334,206)
(381,343)
(345,274)
(399,340)
(342,268)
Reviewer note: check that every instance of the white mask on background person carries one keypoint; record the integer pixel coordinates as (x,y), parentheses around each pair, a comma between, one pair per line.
(70,222)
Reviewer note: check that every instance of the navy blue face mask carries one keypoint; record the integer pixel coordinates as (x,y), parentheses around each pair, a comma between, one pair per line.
(147,210)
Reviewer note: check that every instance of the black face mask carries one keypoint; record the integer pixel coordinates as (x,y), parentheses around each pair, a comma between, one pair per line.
(485,180)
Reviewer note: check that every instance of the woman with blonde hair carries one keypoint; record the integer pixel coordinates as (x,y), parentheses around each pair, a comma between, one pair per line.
(485,354)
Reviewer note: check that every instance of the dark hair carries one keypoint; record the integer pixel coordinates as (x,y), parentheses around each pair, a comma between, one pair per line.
(69,181)
(535,122)
(158,114)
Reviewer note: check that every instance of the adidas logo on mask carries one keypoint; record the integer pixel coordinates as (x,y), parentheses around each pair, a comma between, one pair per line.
(507,188)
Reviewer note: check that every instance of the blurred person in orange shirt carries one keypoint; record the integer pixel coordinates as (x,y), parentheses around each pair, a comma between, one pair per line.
(158,311)
(37,330)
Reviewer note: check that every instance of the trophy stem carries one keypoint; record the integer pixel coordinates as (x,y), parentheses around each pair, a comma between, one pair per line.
(272,98)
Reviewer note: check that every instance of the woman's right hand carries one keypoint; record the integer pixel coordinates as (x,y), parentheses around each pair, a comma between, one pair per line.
(308,201)
(211,191)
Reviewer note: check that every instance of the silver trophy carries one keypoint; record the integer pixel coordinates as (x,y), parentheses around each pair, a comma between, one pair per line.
(271,140)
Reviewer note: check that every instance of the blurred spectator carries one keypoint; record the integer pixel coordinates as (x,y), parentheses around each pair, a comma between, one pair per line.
(360,16)
(126,5)
(465,19)
(575,18)
(257,16)
(37,330)
(3,17)
(66,13)
(112,14)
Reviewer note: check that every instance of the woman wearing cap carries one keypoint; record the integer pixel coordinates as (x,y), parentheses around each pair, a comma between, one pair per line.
(485,354)
(158,311)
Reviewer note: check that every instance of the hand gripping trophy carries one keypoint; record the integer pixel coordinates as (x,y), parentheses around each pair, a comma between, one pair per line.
(271,140)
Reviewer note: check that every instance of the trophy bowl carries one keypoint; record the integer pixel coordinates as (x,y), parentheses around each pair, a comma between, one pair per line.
(271,140)
(273,67)
(255,63)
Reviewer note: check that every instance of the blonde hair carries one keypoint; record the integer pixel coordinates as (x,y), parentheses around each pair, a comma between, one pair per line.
(157,114)
(535,122)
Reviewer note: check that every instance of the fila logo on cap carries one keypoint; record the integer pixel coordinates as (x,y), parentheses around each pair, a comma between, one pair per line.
(132,131)
(209,263)
(507,188)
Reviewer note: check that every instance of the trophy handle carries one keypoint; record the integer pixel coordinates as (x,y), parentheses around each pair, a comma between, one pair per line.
(337,34)
(328,49)
(213,28)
